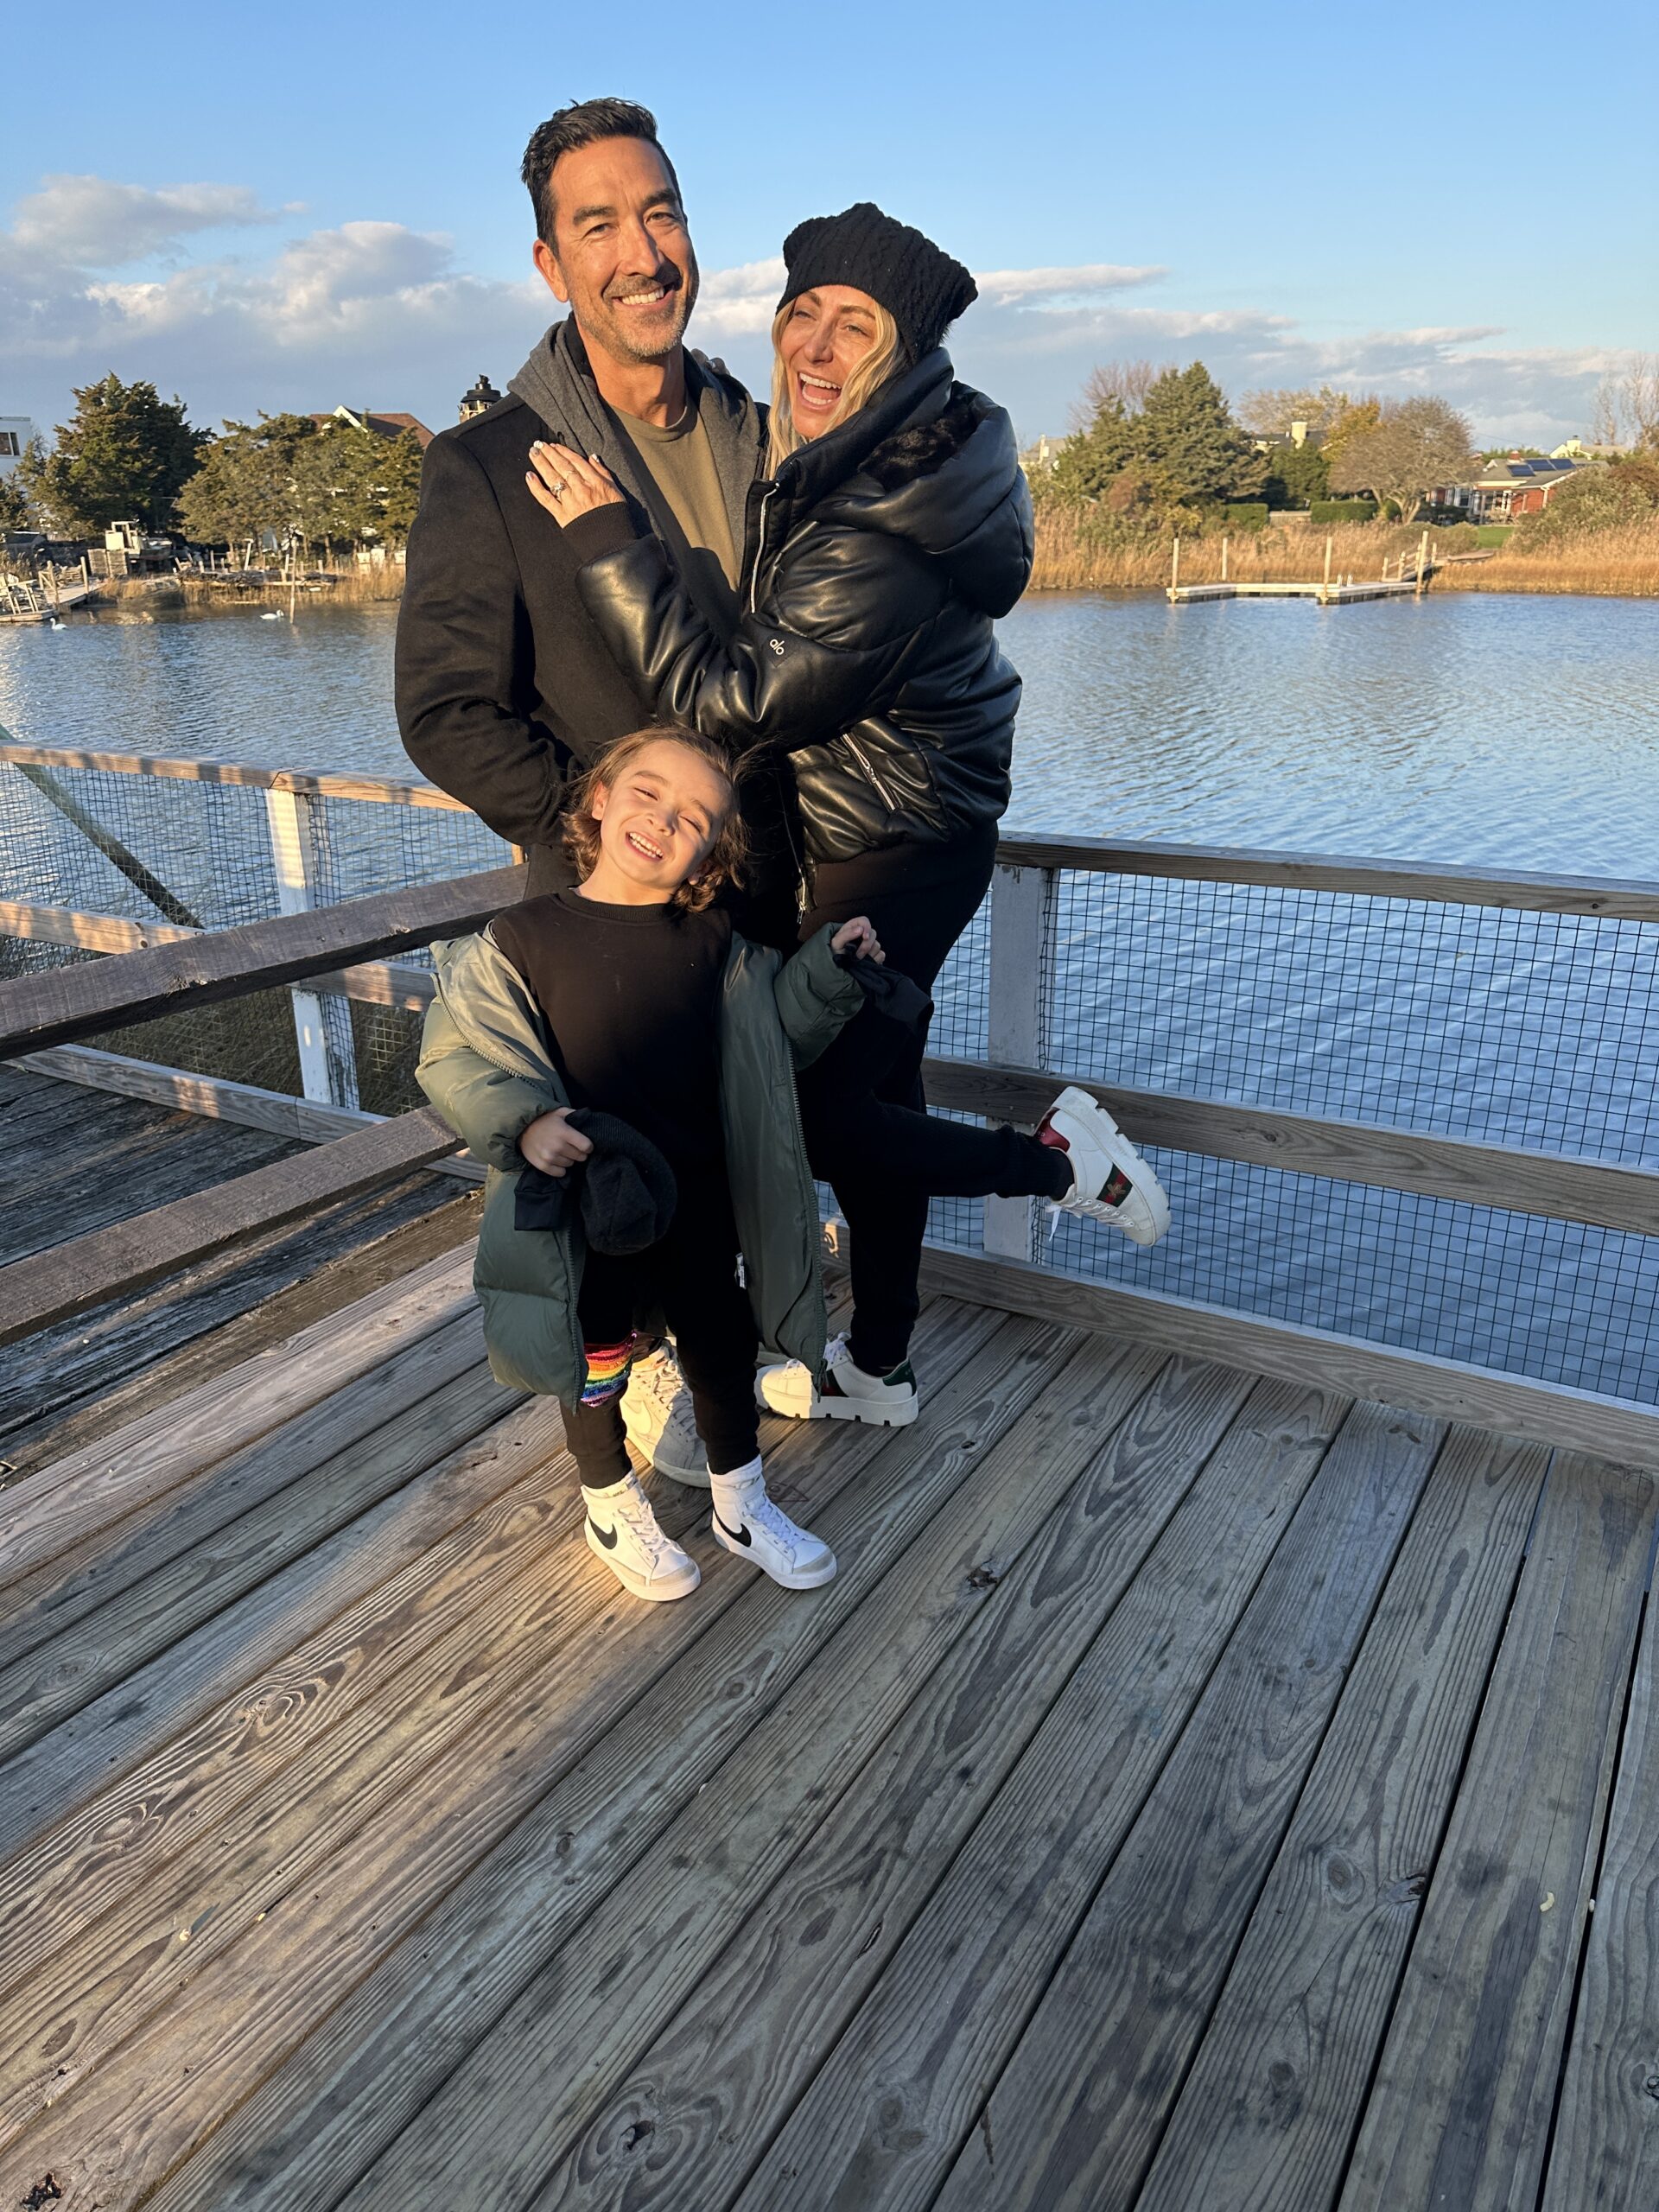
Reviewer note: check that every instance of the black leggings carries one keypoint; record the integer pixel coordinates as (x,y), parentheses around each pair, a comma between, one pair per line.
(690,1280)
(867,1129)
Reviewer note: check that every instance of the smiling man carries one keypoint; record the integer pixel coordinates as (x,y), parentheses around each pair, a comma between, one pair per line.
(505,691)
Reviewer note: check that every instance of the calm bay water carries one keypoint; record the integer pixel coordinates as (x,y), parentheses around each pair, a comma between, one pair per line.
(1524,732)
(1517,732)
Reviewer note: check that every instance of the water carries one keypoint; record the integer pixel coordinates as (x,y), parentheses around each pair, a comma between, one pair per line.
(1517,732)
(1468,728)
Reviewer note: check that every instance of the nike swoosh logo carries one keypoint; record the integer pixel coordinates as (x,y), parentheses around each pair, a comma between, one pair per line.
(738,1535)
(607,1536)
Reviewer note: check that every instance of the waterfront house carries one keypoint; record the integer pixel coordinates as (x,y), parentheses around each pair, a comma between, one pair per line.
(1505,489)
(383,423)
(16,431)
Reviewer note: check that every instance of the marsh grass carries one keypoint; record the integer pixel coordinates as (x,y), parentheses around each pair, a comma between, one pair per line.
(1072,556)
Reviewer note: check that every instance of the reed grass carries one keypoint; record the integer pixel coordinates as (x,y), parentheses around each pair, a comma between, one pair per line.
(1072,556)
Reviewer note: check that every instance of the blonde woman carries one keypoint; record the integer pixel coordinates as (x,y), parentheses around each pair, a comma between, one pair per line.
(895,527)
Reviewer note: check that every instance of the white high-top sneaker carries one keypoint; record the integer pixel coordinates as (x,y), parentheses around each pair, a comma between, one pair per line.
(623,1531)
(844,1392)
(657,1414)
(1110,1182)
(749,1525)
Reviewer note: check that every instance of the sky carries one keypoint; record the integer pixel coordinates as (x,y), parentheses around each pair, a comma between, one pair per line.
(294,208)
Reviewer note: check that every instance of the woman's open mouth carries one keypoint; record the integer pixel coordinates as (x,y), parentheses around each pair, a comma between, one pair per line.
(643,845)
(816,394)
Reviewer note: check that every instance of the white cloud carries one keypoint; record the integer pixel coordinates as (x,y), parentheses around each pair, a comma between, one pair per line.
(1035,287)
(380,315)
(93,223)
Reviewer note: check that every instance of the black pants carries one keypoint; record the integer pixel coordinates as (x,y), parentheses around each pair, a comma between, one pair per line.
(689,1280)
(867,1129)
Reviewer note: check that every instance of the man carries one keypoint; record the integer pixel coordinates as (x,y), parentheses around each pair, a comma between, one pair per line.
(505,691)
(504,688)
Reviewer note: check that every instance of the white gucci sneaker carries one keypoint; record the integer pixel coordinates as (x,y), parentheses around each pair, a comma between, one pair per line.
(843,1392)
(750,1526)
(1110,1182)
(623,1531)
(657,1414)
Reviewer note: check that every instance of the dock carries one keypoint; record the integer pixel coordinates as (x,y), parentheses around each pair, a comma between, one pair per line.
(22,602)
(1222,1775)
(1409,580)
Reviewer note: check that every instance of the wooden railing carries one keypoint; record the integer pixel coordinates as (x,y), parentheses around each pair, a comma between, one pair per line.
(345,947)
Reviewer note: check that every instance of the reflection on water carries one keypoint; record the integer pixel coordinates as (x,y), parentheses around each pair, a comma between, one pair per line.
(1519,732)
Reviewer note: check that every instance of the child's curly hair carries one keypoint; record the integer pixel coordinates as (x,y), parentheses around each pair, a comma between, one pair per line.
(721,864)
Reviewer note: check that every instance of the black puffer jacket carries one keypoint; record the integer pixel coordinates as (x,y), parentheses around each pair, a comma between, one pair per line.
(877,561)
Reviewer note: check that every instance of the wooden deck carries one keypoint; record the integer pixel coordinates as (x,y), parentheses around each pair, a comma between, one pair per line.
(1190,1795)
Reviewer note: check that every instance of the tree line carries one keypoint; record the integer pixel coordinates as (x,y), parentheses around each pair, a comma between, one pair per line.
(128,455)
(1164,450)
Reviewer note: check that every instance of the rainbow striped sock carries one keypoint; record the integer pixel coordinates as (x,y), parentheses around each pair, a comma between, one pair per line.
(607,1369)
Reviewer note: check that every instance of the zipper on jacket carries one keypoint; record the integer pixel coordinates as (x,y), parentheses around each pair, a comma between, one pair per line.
(759,546)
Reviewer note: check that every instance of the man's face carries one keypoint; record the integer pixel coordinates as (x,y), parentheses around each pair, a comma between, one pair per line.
(621,258)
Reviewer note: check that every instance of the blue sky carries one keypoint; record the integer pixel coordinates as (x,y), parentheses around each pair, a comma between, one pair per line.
(317,204)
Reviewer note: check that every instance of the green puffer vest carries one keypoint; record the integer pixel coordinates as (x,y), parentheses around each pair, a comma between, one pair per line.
(485,1065)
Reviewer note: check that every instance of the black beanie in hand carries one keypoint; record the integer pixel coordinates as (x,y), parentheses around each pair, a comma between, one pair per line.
(921,287)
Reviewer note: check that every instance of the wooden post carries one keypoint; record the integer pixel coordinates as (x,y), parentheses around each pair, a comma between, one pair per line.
(323,1026)
(1022,907)
(1423,564)
(1224,560)
(1174,567)
(1326,587)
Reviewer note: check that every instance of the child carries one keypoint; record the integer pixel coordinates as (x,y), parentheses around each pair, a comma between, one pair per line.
(631,996)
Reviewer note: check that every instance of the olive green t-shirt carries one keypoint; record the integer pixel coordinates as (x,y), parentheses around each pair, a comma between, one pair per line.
(688,509)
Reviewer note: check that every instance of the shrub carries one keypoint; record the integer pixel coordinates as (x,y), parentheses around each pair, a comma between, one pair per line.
(1341,511)
(1245,514)
(1596,498)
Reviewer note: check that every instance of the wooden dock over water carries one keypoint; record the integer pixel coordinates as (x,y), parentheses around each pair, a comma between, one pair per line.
(1408,582)
(1214,1780)
(1190,1794)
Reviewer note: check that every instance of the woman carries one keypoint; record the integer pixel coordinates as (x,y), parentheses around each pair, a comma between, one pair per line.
(895,527)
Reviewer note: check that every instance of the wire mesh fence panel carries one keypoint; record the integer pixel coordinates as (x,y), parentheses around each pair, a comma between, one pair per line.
(363,846)
(141,846)
(1534,1030)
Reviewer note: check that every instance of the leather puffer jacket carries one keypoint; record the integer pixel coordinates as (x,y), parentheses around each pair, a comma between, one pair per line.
(878,559)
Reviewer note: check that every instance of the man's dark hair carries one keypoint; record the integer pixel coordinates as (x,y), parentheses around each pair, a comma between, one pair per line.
(584,123)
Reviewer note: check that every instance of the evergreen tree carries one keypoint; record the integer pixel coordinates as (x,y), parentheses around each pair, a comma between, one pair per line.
(1088,462)
(1188,445)
(124,455)
(13,502)
(1297,475)
(249,483)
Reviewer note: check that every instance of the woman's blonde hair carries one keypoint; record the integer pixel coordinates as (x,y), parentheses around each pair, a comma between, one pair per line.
(885,353)
(723,861)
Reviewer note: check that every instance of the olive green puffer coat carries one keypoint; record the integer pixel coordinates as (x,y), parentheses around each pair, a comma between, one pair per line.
(485,1065)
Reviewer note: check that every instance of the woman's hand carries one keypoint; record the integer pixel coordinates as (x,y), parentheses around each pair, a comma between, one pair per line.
(566,485)
(859,936)
(552,1145)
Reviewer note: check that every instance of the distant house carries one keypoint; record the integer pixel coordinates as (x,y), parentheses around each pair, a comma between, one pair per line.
(384,425)
(1505,489)
(16,431)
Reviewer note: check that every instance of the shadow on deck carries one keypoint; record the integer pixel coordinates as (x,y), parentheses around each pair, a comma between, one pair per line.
(1191,1793)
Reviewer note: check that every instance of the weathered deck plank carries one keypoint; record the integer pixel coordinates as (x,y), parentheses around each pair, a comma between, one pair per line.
(1267,2115)
(883,2119)
(49,1511)
(1079,2107)
(429,1871)
(121,2132)
(1605,2154)
(746,2014)
(391,1431)
(1461,2108)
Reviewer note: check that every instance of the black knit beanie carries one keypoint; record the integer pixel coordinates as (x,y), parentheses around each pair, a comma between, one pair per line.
(921,287)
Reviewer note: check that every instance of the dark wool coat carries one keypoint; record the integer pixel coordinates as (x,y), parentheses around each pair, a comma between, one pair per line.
(876,562)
